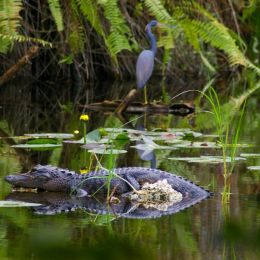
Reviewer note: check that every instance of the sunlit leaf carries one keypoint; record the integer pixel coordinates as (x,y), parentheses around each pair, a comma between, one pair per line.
(121,130)
(206,159)
(107,151)
(37,146)
(12,204)
(94,136)
(253,155)
(189,144)
(51,135)
(254,168)
(93,146)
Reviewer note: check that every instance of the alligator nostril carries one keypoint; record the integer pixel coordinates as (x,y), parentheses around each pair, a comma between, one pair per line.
(8,178)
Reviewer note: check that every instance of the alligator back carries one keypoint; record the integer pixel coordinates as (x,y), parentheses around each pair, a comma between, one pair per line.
(147,175)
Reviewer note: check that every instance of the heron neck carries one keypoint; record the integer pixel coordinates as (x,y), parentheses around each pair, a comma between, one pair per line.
(152,40)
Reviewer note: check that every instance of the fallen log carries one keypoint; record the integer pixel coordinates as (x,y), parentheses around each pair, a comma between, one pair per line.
(181,109)
(126,101)
(19,65)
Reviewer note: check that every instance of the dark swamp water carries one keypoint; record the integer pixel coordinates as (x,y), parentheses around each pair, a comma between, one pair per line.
(208,230)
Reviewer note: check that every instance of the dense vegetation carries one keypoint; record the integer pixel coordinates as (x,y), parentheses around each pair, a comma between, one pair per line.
(86,39)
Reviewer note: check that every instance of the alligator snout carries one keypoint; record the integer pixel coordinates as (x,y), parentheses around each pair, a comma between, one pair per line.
(9,178)
(17,180)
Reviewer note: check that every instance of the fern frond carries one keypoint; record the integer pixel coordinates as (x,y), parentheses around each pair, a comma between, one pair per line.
(217,35)
(117,43)
(211,31)
(120,33)
(166,38)
(21,38)
(90,11)
(56,13)
(77,35)
(76,39)
(4,45)
(9,16)
(159,11)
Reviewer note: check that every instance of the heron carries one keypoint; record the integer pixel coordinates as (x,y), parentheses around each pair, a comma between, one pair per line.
(145,61)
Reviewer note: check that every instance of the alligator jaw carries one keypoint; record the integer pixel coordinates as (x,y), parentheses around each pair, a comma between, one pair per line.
(16,180)
(12,179)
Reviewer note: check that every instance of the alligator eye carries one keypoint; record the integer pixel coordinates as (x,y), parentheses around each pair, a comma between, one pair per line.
(44,175)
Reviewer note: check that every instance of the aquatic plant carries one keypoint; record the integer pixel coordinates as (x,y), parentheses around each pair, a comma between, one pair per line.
(226,127)
(84,118)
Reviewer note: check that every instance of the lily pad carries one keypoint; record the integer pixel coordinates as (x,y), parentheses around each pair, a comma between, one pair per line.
(254,168)
(37,146)
(188,144)
(92,137)
(107,151)
(51,135)
(94,146)
(122,130)
(43,141)
(250,155)
(12,204)
(228,158)
(206,159)
(149,145)
(192,134)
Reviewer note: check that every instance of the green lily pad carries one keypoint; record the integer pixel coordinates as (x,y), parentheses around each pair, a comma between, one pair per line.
(254,168)
(12,204)
(51,135)
(190,135)
(42,141)
(107,151)
(37,146)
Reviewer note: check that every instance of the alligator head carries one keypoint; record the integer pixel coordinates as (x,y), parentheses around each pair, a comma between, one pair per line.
(42,178)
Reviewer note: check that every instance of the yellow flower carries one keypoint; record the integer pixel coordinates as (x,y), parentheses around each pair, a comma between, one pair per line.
(83,170)
(76,132)
(84,117)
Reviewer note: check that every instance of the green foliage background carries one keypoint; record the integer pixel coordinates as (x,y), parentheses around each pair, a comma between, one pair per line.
(105,36)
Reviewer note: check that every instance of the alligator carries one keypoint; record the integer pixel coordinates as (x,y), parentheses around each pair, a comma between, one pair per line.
(119,181)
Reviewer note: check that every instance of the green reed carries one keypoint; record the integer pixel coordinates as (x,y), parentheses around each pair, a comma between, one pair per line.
(228,127)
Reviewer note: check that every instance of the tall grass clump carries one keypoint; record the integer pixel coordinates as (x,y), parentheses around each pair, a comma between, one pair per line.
(228,125)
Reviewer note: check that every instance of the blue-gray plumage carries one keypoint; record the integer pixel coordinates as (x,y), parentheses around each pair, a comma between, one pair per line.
(145,61)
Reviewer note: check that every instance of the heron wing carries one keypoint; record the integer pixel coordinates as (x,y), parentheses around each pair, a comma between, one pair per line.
(144,67)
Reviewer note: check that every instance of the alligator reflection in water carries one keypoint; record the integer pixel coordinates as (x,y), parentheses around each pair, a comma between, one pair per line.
(54,203)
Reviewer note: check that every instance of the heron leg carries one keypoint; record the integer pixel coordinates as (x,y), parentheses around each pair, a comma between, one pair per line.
(145,96)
